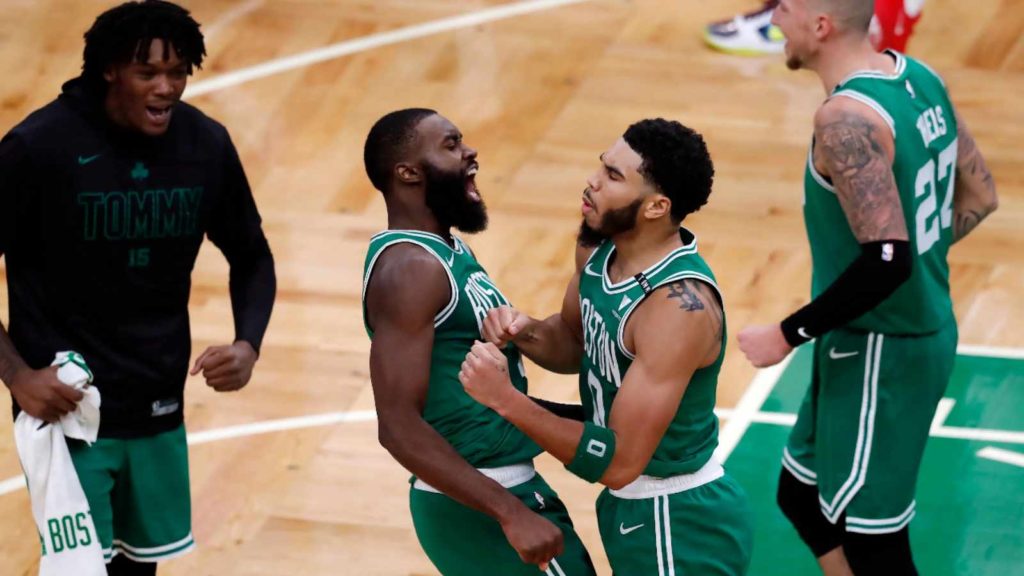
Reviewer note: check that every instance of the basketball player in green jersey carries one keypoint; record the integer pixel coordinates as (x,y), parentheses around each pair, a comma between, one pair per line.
(642,323)
(893,179)
(477,503)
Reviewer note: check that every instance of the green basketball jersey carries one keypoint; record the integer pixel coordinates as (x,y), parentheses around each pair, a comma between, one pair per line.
(477,433)
(693,433)
(914,103)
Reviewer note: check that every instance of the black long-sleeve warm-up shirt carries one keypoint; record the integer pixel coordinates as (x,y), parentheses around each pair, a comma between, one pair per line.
(101,228)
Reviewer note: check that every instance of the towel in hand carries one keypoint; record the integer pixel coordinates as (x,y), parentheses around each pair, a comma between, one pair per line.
(59,506)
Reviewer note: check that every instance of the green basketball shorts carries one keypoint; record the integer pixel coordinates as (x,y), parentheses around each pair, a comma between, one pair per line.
(862,427)
(463,542)
(138,491)
(693,524)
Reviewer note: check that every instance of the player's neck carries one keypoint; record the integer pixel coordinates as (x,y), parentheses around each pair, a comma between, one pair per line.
(848,56)
(638,250)
(406,216)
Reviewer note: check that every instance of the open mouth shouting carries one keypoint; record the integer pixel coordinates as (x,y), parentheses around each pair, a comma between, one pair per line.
(159,114)
(471,190)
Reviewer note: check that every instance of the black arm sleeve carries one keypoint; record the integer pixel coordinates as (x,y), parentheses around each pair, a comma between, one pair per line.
(236,229)
(879,270)
(570,411)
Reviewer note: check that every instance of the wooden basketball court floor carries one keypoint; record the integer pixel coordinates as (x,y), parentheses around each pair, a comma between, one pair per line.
(287,476)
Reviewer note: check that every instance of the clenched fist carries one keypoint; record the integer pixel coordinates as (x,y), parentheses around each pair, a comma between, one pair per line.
(503,324)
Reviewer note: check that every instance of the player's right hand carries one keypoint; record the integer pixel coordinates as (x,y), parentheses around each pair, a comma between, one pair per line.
(41,394)
(534,537)
(503,324)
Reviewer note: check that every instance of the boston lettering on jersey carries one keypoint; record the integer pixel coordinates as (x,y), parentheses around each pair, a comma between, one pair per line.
(477,433)
(598,344)
(606,307)
(483,295)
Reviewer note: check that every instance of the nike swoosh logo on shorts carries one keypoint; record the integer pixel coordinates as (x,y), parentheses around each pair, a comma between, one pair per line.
(840,355)
(623,530)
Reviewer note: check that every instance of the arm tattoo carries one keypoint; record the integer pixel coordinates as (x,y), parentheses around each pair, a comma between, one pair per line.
(863,176)
(688,299)
(965,221)
(692,296)
(972,167)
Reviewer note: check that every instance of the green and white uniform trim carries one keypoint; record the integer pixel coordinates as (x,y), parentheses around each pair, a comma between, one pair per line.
(138,492)
(881,525)
(683,515)
(420,239)
(863,425)
(606,307)
(914,104)
(835,506)
(896,359)
(156,554)
(477,433)
(798,470)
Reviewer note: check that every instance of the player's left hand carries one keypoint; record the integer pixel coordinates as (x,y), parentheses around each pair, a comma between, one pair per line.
(226,368)
(485,376)
(764,345)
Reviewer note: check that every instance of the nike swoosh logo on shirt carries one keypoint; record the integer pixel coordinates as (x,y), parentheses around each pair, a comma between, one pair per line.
(588,270)
(82,160)
(840,355)
(623,530)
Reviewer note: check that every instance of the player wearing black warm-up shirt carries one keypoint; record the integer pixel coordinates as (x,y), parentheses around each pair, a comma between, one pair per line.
(106,194)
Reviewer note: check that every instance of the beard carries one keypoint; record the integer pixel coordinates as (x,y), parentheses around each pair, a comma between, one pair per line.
(447,199)
(613,223)
(794,62)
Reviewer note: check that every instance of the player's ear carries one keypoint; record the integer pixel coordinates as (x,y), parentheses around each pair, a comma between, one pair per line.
(407,173)
(110,74)
(656,206)
(823,26)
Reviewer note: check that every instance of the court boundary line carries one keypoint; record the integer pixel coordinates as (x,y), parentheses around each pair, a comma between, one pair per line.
(750,403)
(365,43)
(738,420)
(766,378)
(1000,455)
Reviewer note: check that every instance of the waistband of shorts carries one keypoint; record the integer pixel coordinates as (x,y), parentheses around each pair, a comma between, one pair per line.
(508,476)
(910,336)
(646,487)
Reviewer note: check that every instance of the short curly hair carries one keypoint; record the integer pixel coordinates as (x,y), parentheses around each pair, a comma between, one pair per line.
(388,142)
(675,161)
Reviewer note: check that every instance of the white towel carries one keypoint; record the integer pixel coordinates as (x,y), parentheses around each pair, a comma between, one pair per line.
(59,506)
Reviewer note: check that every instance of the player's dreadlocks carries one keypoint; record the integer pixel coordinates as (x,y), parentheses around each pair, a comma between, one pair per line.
(124,34)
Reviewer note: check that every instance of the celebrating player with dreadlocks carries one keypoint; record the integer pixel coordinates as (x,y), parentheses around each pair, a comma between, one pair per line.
(106,194)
